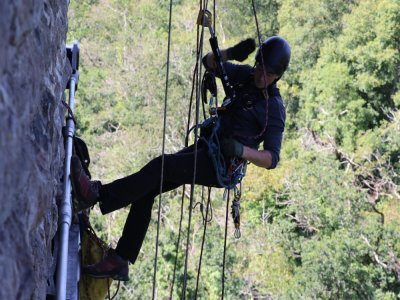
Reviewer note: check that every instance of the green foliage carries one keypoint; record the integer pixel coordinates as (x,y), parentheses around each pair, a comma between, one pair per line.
(335,268)
(306,25)
(347,92)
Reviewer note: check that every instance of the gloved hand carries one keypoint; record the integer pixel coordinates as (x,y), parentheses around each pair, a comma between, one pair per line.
(241,50)
(231,148)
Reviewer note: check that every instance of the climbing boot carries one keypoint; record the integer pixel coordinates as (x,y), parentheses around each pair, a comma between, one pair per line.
(111,266)
(87,191)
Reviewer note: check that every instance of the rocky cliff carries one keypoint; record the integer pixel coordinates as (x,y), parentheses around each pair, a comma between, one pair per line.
(33,75)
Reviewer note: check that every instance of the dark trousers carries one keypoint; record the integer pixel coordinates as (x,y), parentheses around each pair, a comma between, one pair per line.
(141,188)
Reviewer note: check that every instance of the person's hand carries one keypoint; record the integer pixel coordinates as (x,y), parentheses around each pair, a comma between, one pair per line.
(241,50)
(231,148)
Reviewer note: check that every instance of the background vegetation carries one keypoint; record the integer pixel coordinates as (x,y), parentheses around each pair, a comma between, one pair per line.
(325,223)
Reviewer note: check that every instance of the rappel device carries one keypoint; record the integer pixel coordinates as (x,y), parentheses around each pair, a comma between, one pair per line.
(204,19)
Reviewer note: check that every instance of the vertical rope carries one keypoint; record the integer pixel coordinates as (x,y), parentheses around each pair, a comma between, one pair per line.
(257,27)
(163,154)
(227,191)
(186,144)
(214,16)
(177,245)
(199,53)
(264,91)
(202,243)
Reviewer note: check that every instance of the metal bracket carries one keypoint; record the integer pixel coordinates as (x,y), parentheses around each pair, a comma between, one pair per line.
(73,57)
(204,18)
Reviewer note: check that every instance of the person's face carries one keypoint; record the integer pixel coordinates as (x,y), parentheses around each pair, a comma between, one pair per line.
(263,79)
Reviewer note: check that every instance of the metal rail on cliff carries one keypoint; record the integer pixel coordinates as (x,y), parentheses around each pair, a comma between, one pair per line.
(65,207)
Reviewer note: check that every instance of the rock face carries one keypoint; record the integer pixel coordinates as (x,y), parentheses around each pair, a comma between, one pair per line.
(33,75)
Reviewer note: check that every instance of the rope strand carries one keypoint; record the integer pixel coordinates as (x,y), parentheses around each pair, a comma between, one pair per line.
(199,53)
(227,191)
(202,243)
(177,245)
(163,154)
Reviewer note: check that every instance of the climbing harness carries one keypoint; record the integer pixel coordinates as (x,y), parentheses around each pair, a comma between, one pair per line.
(229,173)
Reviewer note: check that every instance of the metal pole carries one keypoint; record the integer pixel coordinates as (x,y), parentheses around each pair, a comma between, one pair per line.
(65,214)
(65,207)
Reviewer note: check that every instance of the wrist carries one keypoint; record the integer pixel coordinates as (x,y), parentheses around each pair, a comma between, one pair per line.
(229,54)
(226,54)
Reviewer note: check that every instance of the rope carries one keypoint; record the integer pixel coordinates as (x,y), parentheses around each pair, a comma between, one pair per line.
(195,71)
(163,153)
(191,99)
(199,52)
(108,289)
(201,207)
(264,92)
(202,242)
(70,112)
(177,245)
(226,196)
(92,233)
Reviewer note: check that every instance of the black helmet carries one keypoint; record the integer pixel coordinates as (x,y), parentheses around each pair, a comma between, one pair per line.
(275,55)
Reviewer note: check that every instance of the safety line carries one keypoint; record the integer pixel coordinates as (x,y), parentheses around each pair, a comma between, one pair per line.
(199,53)
(202,243)
(177,245)
(265,91)
(228,191)
(163,153)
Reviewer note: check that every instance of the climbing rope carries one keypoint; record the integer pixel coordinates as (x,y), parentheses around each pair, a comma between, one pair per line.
(205,220)
(194,83)
(108,290)
(177,244)
(265,93)
(226,198)
(199,55)
(163,153)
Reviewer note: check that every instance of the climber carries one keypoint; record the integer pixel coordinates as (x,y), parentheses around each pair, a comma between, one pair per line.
(257,116)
